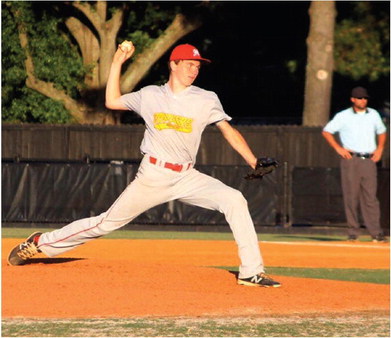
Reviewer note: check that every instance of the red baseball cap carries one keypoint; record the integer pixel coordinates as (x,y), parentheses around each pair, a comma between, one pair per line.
(186,52)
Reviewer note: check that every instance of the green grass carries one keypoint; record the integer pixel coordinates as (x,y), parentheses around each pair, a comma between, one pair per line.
(190,235)
(377,276)
(369,324)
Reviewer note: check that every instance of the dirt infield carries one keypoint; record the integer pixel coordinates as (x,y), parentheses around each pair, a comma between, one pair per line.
(170,278)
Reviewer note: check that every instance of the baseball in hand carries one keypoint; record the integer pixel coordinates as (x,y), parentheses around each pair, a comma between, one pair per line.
(126,46)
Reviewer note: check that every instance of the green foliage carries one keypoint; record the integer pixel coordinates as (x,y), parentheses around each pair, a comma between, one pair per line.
(56,60)
(32,107)
(146,22)
(56,53)
(13,73)
(362,44)
(150,17)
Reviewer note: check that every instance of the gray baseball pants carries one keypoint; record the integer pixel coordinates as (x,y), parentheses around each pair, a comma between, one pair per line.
(359,187)
(155,185)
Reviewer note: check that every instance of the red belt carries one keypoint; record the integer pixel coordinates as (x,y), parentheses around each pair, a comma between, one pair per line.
(168,165)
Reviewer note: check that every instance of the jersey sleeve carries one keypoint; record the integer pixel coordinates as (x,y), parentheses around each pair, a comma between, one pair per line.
(380,127)
(132,101)
(334,124)
(217,112)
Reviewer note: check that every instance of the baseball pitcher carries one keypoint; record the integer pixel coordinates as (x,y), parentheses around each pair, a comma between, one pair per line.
(175,116)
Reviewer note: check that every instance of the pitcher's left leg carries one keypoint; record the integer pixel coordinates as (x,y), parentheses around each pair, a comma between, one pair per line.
(207,192)
(235,208)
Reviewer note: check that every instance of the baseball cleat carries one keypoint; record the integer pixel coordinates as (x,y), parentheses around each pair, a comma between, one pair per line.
(379,238)
(22,252)
(260,279)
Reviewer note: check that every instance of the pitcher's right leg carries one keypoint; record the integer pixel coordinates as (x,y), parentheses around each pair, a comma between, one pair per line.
(151,187)
(134,200)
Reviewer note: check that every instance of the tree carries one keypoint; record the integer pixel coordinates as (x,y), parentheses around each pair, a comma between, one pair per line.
(56,61)
(360,51)
(362,43)
(320,63)
(89,42)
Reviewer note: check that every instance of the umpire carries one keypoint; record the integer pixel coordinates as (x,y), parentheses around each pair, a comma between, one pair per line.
(362,136)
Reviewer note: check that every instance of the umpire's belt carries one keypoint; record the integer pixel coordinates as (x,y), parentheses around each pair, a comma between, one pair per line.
(362,155)
(173,166)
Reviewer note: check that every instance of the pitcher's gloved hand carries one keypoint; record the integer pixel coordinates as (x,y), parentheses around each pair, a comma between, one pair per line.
(265,165)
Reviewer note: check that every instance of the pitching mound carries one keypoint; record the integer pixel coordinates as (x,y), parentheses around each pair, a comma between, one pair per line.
(140,278)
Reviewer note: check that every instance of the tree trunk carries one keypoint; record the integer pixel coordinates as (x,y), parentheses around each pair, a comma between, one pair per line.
(89,47)
(97,47)
(320,63)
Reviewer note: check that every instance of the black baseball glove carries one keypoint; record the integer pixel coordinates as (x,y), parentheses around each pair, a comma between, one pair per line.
(265,165)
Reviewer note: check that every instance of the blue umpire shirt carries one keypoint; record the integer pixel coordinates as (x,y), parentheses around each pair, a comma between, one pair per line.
(357,131)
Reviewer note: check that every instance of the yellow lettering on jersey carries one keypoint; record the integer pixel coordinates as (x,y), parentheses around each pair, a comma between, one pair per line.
(169,121)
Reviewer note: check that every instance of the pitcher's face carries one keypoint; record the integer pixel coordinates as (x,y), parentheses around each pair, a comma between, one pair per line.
(186,71)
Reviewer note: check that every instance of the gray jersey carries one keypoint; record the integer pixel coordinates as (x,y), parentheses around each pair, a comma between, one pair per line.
(174,122)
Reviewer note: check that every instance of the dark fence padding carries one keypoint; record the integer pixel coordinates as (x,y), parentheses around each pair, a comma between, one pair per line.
(317,196)
(62,193)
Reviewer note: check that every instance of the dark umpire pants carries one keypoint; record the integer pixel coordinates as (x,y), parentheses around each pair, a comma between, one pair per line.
(359,186)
